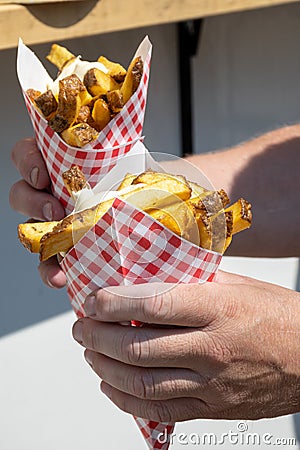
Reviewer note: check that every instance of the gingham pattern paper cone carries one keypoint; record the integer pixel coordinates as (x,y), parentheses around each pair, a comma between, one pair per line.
(128,247)
(156,434)
(97,158)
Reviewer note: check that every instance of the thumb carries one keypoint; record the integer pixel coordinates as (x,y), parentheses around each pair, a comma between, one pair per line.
(188,305)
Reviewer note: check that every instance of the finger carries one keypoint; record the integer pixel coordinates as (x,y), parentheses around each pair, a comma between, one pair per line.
(173,410)
(144,346)
(194,305)
(29,162)
(150,384)
(51,273)
(37,204)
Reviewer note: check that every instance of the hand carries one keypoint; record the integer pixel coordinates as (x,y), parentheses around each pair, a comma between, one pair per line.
(228,349)
(30,196)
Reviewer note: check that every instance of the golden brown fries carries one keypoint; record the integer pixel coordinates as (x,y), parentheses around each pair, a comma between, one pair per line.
(94,101)
(127,181)
(190,211)
(69,103)
(33,94)
(47,103)
(74,180)
(115,100)
(145,197)
(99,83)
(132,79)
(242,215)
(101,113)
(115,70)
(59,56)
(30,234)
(165,181)
(79,135)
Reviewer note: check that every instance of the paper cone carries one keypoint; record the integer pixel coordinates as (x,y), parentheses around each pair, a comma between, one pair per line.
(114,253)
(128,247)
(113,142)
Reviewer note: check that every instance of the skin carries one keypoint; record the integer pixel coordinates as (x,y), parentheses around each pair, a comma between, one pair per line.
(236,354)
(31,196)
(223,350)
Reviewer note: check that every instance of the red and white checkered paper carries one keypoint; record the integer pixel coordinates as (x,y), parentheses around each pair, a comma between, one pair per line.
(127,247)
(100,156)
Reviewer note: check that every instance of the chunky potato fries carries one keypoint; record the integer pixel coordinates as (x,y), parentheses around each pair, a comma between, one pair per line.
(199,215)
(80,104)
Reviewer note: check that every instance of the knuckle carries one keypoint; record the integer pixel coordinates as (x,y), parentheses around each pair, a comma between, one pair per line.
(14,192)
(236,398)
(143,385)
(90,335)
(136,347)
(25,162)
(159,411)
(16,152)
(158,307)
(104,304)
(217,387)
(230,307)
(23,147)
(218,350)
(122,403)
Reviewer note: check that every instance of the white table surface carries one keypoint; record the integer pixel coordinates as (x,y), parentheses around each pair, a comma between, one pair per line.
(50,399)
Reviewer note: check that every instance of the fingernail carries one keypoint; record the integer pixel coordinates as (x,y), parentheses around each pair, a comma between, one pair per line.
(88,358)
(77,332)
(34,175)
(90,306)
(107,390)
(47,211)
(50,284)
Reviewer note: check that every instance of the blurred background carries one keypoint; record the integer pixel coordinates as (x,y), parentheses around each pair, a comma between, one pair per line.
(246,81)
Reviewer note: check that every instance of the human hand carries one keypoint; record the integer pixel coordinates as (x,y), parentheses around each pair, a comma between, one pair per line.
(228,349)
(31,196)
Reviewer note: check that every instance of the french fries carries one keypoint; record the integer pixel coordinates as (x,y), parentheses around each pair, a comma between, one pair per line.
(47,103)
(115,70)
(99,83)
(79,135)
(101,113)
(59,56)
(93,97)
(188,210)
(30,234)
(132,79)
(74,180)
(69,103)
